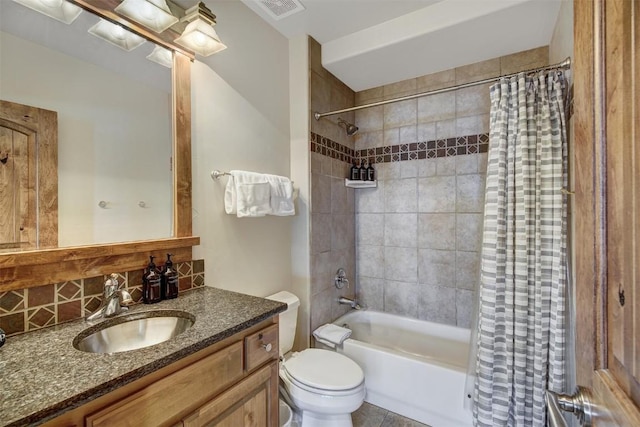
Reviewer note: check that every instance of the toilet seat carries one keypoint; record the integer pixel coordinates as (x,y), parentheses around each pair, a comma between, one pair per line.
(324,371)
(293,383)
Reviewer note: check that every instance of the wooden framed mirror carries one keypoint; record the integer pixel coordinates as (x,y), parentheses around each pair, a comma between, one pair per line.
(29,268)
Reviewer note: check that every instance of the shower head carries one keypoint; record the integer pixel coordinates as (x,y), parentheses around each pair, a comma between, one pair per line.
(350,128)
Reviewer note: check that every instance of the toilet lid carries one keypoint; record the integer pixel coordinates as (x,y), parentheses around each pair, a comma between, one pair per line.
(324,369)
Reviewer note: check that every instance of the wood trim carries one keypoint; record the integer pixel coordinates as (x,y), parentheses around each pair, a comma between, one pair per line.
(181,74)
(21,270)
(86,252)
(589,234)
(274,396)
(105,9)
(620,410)
(48,181)
(621,97)
(612,406)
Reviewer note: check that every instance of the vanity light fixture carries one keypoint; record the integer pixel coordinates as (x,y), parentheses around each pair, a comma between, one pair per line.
(61,10)
(199,35)
(116,35)
(154,14)
(161,56)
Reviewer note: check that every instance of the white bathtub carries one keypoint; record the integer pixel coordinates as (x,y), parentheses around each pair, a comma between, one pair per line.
(411,367)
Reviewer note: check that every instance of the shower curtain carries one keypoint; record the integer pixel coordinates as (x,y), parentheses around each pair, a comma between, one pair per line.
(520,343)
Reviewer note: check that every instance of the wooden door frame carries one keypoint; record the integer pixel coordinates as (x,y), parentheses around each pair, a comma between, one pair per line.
(590,241)
(589,203)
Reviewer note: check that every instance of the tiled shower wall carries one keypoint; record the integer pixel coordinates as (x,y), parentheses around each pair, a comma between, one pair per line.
(418,233)
(41,306)
(332,204)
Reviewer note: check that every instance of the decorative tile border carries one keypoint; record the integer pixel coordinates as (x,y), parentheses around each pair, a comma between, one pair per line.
(330,148)
(38,307)
(469,144)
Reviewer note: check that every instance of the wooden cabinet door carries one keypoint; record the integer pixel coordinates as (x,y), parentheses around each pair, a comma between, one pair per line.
(607,202)
(251,403)
(168,399)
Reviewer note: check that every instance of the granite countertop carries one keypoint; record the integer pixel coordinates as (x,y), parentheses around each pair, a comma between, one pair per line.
(42,375)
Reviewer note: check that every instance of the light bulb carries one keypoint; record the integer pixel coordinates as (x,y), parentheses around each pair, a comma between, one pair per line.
(118,32)
(199,38)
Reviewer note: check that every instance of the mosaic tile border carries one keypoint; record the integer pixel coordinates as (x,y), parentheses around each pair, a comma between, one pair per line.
(38,307)
(330,148)
(469,144)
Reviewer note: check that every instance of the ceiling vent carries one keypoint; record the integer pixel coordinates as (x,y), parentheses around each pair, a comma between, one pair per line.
(279,9)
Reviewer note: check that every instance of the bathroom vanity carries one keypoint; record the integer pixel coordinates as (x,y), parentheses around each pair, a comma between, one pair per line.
(223,371)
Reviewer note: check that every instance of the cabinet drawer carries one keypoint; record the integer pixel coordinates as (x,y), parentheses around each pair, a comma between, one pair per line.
(163,402)
(261,347)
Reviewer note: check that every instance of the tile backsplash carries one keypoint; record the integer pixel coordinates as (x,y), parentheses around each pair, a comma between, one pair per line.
(38,307)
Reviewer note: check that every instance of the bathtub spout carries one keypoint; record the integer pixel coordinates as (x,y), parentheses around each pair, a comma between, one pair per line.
(351,302)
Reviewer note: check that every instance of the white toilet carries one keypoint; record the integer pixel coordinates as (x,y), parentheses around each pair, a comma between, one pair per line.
(324,386)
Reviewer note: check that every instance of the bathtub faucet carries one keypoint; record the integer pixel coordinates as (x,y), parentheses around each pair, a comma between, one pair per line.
(348,301)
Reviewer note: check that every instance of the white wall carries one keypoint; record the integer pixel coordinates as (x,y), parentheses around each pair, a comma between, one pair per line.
(236,130)
(300,166)
(114,142)
(561,45)
(255,63)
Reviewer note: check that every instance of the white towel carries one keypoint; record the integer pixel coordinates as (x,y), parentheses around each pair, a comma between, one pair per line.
(331,334)
(247,194)
(281,195)
(250,194)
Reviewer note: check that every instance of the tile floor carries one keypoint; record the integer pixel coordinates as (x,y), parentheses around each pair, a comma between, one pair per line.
(372,416)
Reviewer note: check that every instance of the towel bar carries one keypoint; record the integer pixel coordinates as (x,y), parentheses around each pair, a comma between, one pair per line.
(216,174)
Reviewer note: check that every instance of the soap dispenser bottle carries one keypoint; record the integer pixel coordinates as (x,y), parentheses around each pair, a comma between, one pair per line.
(169,279)
(151,284)
(354,172)
(363,170)
(371,173)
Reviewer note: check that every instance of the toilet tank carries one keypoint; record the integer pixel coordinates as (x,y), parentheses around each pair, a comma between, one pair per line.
(288,319)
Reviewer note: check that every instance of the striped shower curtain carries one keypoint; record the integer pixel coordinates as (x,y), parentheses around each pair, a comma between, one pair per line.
(522,315)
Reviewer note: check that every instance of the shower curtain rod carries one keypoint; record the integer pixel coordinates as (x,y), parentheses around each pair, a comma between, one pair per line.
(562,65)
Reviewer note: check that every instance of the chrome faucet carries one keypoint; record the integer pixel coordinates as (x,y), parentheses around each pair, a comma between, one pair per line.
(348,301)
(114,299)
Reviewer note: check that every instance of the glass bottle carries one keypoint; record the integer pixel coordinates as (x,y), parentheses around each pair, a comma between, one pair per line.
(354,172)
(363,171)
(371,173)
(151,284)
(169,279)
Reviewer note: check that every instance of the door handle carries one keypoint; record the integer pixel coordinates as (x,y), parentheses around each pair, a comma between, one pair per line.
(579,404)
